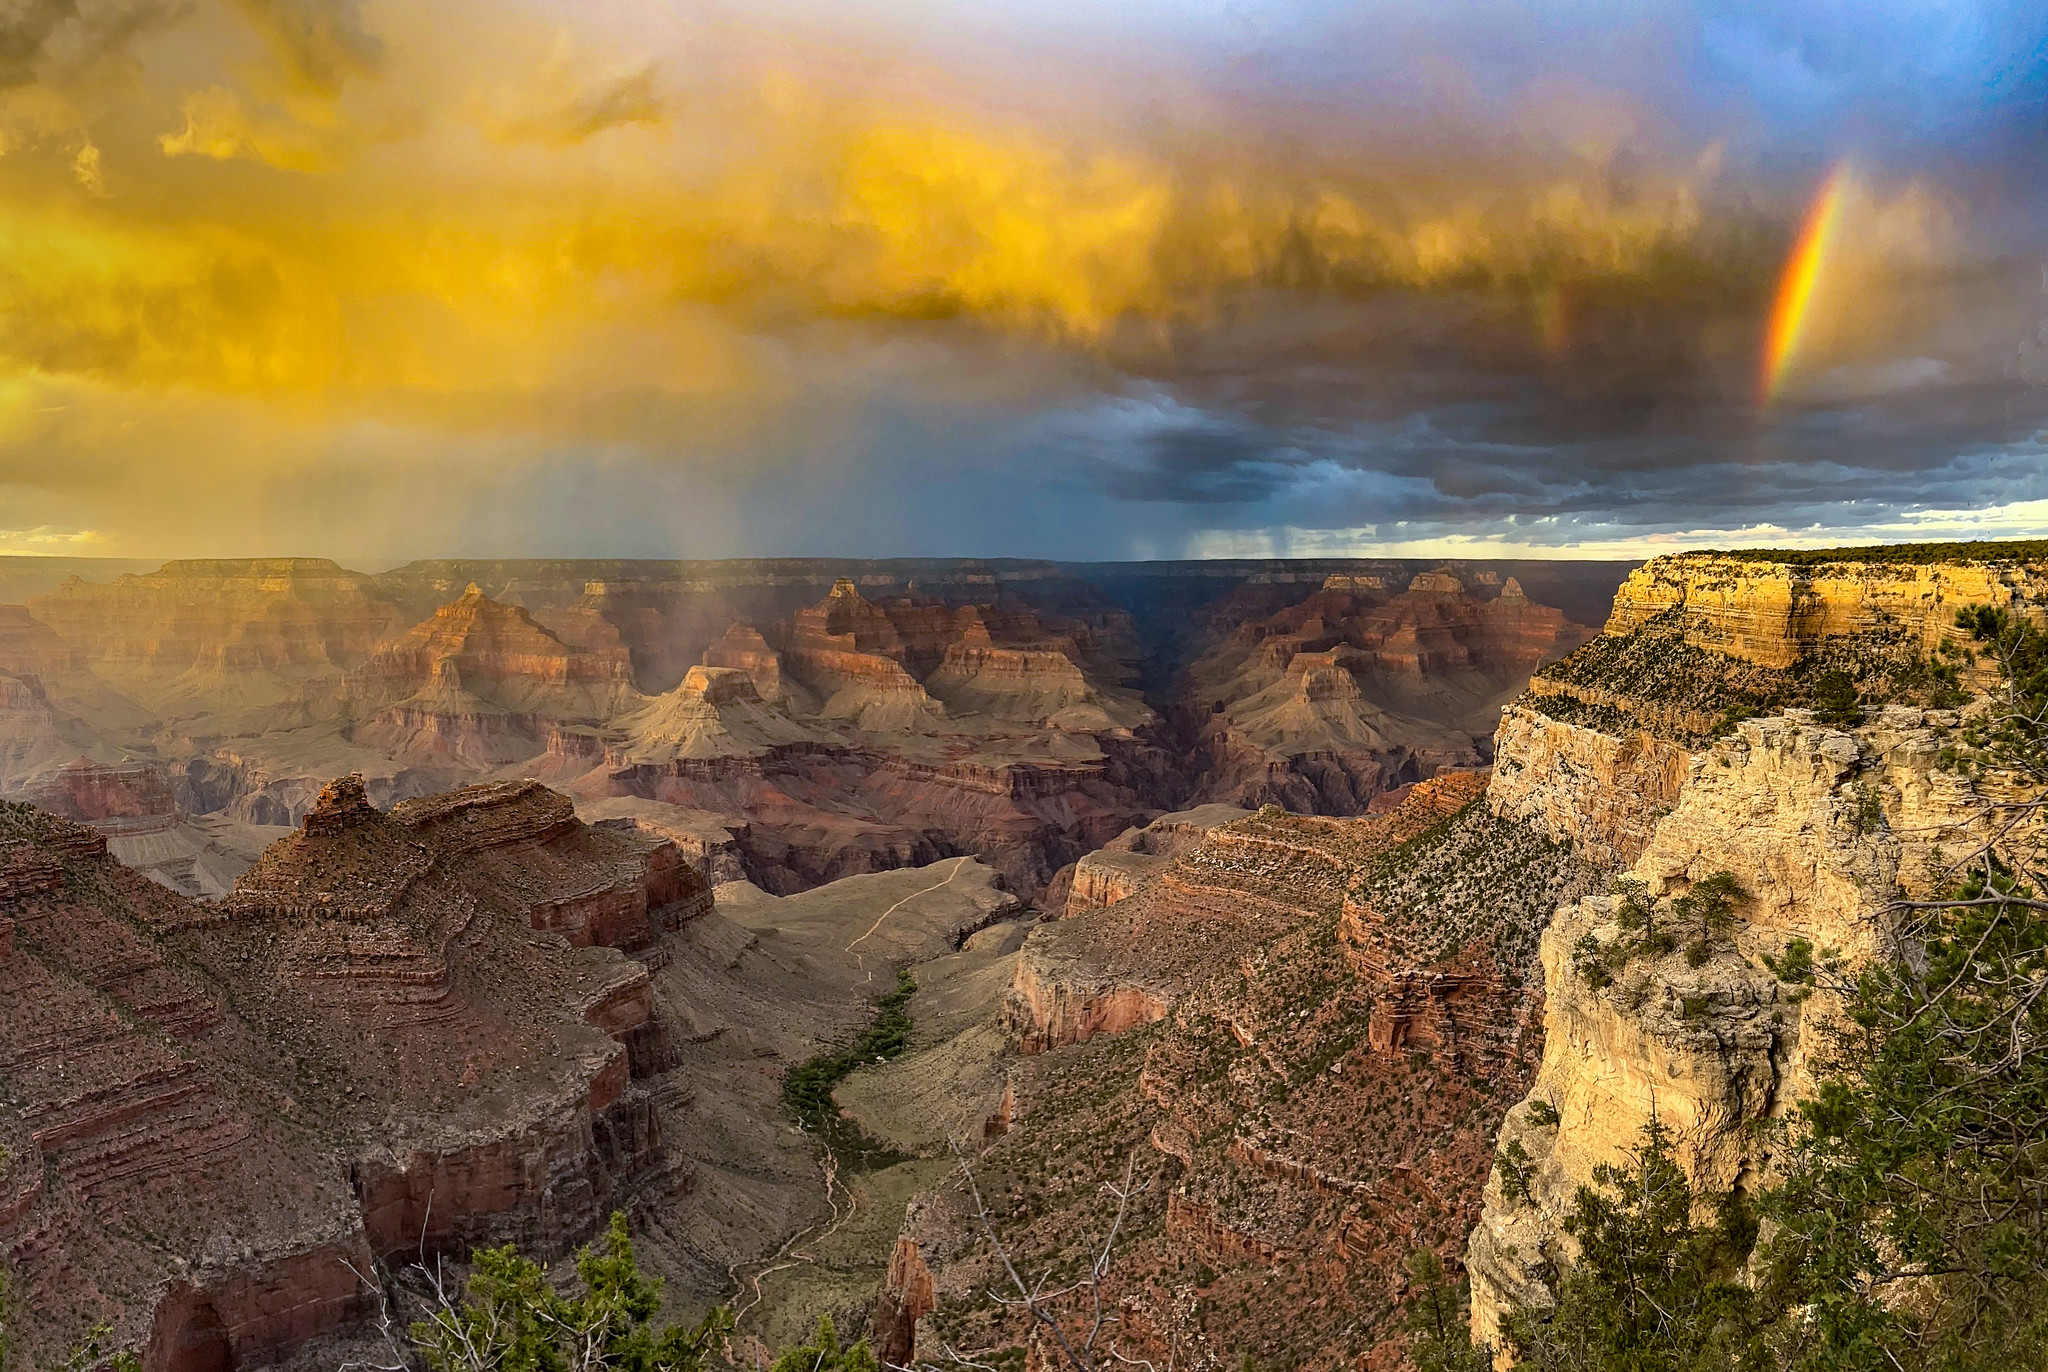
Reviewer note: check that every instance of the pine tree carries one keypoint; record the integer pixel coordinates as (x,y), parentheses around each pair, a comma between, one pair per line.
(1654,1288)
(823,1354)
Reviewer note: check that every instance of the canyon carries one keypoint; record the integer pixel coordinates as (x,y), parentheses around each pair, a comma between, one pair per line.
(826,718)
(1309,1038)
(469,1019)
(1268,897)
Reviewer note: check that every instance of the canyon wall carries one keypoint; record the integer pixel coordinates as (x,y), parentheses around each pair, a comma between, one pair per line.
(1300,1033)
(400,1033)
(1638,748)
(1370,682)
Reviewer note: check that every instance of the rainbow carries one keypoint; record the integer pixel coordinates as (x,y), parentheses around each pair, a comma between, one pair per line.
(1794,302)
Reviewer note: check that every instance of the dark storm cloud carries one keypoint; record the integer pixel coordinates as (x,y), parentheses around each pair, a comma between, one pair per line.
(74,34)
(1430,417)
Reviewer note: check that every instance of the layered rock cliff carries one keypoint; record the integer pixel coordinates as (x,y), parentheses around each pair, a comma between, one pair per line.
(1676,744)
(401,1033)
(201,638)
(134,808)
(1364,686)
(1299,1032)
(480,683)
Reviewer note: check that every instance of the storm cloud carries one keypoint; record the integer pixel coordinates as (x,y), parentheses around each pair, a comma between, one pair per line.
(908,277)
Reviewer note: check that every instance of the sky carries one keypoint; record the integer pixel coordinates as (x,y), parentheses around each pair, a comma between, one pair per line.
(1103,280)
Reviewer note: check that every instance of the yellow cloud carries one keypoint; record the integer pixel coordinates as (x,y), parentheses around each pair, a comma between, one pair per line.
(219,125)
(618,103)
(85,168)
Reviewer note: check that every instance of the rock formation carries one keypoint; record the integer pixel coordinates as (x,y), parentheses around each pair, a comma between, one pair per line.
(1353,691)
(907,710)
(481,683)
(717,712)
(400,1030)
(1119,867)
(1637,747)
(744,648)
(133,808)
(1301,1029)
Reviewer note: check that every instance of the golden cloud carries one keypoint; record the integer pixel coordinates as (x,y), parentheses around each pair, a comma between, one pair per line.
(438,215)
(618,103)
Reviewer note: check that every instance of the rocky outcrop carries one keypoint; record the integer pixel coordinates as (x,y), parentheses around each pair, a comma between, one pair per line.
(1773,614)
(744,649)
(403,1032)
(716,712)
(1105,877)
(1009,667)
(907,1297)
(1821,826)
(1300,1031)
(1053,1002)
(1596,789)
(850,654)
(481,683)
(1118,868)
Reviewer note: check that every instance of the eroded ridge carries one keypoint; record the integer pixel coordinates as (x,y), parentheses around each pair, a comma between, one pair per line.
(402,1034)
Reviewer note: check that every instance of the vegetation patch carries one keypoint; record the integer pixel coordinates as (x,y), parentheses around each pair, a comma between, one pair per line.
(807,1090)
(1699,921)
(1899,554)
(1652,679)
(1474,875)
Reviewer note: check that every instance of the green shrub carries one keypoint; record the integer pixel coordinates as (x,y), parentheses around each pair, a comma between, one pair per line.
(1655,1289)
(808,1087)
(1517,1170)
(823,1354)
(512,1318)
(1439,1325)
(1835,699)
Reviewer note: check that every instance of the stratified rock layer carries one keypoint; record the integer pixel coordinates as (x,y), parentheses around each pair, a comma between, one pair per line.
(1638,747)
(1303,1031)
(402,1033)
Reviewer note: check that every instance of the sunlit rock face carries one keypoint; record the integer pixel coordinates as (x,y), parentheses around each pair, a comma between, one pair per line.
(480,683)
(1773,614)
(1636,748)
(199,638)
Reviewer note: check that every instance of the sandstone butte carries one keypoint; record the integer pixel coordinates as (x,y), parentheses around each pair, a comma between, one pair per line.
(808,719)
